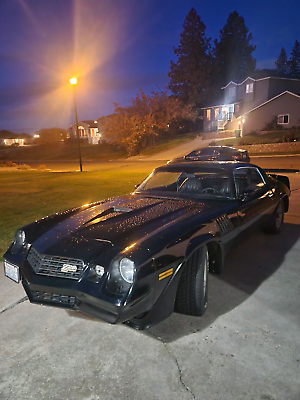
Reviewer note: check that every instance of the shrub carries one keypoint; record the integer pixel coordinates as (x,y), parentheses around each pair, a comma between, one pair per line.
(41,167)
(289,137)
(24,167)
(272,125)
(10,164)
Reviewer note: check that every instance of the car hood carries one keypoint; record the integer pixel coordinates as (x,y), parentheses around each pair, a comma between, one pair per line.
(130,218)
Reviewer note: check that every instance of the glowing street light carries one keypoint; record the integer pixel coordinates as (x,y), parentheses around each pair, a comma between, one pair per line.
(73,82)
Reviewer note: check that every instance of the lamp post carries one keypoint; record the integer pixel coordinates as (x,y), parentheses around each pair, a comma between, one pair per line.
(73,82)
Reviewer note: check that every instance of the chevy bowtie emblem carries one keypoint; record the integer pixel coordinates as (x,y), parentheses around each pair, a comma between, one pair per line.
(68,268)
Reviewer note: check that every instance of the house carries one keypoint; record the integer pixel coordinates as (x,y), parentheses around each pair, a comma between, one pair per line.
(8,138)
(87,130)
(251,104)
(92,131)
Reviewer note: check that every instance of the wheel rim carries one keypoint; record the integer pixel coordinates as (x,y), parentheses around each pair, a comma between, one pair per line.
(279,215)
(205,275)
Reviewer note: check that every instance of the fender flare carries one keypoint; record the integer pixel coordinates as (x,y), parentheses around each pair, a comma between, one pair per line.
(215,250)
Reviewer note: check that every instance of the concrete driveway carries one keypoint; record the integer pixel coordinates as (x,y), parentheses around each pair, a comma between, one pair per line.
(246,346)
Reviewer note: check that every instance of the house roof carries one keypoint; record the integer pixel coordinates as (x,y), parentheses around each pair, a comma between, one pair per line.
(260,79)
(90,122)
(7,135)
(273,98)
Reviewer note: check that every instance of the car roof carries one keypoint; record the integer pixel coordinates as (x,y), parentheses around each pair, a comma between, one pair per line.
(200,165)
(219,148)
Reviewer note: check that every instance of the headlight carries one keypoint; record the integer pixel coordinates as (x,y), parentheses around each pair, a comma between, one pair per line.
(126,268)
(121,276)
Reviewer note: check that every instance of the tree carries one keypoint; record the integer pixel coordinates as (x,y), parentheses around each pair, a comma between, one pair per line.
(282,63)
(50,135)
(148,119)
(233,52)
(294,61)
(191,75)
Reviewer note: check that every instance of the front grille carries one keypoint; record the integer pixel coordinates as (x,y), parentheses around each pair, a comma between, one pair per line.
(224,223)
(62,300)
(60,267)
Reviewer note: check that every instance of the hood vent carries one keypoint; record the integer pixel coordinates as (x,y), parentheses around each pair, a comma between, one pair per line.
(122,209)
(224,223)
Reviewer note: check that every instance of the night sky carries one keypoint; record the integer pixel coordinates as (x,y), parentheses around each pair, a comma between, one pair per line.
(114,47)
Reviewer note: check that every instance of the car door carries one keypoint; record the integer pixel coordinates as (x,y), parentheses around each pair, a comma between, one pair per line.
(256,197)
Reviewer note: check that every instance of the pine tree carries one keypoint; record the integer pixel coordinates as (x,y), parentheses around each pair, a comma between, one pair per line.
(233,53)
(282,63)
(294,62)
(191,75)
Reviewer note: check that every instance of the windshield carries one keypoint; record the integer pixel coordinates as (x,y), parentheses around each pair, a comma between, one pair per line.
(214,183)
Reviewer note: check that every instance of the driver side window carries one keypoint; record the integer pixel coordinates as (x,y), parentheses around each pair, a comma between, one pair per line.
(247,180)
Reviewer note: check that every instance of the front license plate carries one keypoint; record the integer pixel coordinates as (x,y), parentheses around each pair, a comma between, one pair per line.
(12,271)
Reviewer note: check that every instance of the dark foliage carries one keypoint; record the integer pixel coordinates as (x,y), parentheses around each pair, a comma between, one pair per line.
(282,67)
(191,75)
(294,61)
(233,52)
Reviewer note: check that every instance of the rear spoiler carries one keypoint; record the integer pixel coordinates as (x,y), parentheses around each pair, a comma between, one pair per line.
(281,178)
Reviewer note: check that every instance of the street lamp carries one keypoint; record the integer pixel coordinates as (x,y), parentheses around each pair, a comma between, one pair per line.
(73,82)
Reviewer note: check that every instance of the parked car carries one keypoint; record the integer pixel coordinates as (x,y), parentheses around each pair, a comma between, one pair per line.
(216,153)
(138,257)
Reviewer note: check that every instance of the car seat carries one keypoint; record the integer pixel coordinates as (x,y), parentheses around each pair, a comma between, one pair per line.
(191,185)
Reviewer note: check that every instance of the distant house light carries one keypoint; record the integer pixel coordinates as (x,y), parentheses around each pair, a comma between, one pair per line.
(249,88)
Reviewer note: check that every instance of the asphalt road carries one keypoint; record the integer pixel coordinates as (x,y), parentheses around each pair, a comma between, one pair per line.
(287,161)
(246,346)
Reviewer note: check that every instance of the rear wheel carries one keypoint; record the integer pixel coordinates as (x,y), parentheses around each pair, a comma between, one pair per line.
(191,297)
(276,220)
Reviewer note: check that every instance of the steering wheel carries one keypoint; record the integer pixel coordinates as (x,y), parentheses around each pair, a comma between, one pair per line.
(206,190)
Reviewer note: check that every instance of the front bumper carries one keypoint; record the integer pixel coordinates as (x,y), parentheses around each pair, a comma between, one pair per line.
(83,295)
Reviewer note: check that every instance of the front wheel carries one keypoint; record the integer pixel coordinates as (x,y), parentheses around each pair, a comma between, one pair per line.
(276,220)
(191,297)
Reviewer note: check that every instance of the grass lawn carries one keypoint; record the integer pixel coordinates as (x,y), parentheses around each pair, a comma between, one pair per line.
(29,195)
(103,152)
(169,144)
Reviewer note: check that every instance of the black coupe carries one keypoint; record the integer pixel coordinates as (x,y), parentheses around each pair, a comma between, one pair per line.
(215,153)
(139,257)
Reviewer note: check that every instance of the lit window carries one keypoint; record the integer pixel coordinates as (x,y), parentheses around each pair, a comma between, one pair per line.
(249,88)
(283,119)
(216,113)
(208,114)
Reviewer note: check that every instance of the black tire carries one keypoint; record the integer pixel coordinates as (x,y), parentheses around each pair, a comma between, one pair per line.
(275,223)
(191,297)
